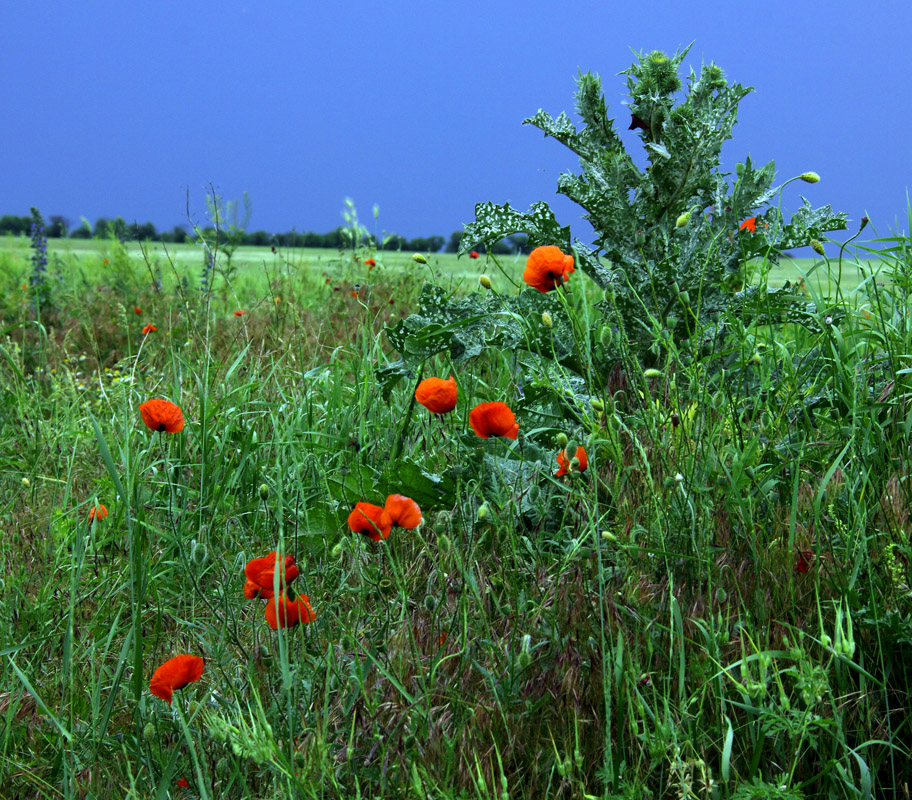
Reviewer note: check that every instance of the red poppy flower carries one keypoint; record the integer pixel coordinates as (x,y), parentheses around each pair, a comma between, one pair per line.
(162,415)
(24,287)
(183,783)
(370,263)
(493,419)
(750,224)
(402,511)
(284,613)
(437,395)
(150,328)
(137,310)
(239,312)
(370,520)
(564,463)
(98,511)
(175,674)
(260,574)
(547,267)
(473,254)
(803,562)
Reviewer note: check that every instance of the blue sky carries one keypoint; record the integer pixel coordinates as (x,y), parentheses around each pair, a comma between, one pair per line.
(123,108)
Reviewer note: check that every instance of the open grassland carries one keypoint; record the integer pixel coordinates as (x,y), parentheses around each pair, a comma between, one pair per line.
(715,605)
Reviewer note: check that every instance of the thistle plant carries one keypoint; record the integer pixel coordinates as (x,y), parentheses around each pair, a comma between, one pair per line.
(38,279)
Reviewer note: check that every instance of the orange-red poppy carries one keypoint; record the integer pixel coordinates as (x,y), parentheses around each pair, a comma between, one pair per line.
(473,254)
(239,312)
(564,463)
(370,263)
(99,512)
(284,613)
(162,415)
(493,419)
(137,310)
(803,562)
(437,395)
(150,328)
(183,783)
(547,267)
(402,511)
(370,520)
(750,224)
(175,674)
(24,287)
(260,574)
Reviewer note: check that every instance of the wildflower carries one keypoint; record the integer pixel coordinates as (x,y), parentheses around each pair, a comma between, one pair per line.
(137,310)
(809,177)
(97,512)
(803,562)
(566,464)
(493,419)
(402,511)
(547,267)
(175,674)
(260,574)
(864,222)
(106,261)
(370,263)
(183,783)
(24,287)
(284,613)
(370,520)
(437,395)
(162,415)
(239,312)
(750,224)
(150,328)
(473,254)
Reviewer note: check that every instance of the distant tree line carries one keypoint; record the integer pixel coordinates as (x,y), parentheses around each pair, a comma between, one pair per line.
(59,227)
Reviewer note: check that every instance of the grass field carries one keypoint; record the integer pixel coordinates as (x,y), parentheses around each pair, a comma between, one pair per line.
(711,599)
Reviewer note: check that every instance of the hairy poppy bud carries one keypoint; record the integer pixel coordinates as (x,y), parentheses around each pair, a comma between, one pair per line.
(817,247)
(810,177)
(721,595)
(755,358)
(223,767)
(198,553)
(25,483)
(485,281)
(605,336)
(149,733)
(864,224)
(443,544)
(651,374)
(430,603)
(483,511)
(443,519)
(684,297)
(682,220)
(609,536)
(524,656)
(264,491)
(546,320)
(337,550)
(597,405)
(561,441)
(419,258)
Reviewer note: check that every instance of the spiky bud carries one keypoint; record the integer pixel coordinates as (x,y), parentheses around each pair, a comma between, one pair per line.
(810,177)
(420,259)
(546,320)
(817,247)
(264,491)
(682,220)
(485,281)
(561,441)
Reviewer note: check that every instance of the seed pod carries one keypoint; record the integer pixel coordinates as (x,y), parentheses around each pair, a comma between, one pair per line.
(264,491)
(639,238)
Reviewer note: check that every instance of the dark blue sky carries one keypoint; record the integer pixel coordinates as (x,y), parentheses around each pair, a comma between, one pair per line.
(116,108)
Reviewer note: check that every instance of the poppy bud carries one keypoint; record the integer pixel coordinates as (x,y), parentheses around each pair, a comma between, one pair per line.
(483,511)
(443,543)
(864,223)
(430,603)
(25,483)
(817,247)
(721,595)
(755,358)
(574,464)
(597,405)
(264,491)
(605,336)
(651,374)
(609,536)
(337,550)
(825,640)
(223,766)
(546,320)
(485,281)
(443,519)
(149,733)
(198,553)
(419,258)
(561,441)
(810,177)
(682,220)
(571,446)
(679,478)
(684,297)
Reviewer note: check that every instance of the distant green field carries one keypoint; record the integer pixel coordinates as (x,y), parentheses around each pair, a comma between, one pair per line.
(254,263)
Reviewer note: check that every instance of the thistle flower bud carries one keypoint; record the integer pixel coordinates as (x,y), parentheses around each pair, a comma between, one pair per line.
(264,491)
(817,247)
(420,259)
(651,374)
(561,441)
(809,177)
(485,281)
(682,220)
(546,320)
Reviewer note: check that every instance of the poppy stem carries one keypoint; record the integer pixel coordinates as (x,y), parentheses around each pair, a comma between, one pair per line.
(408,416)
